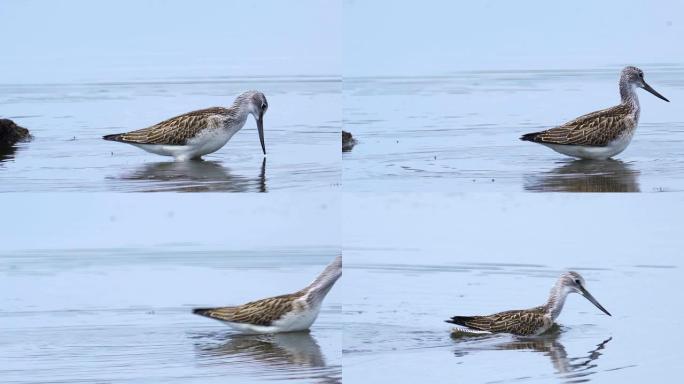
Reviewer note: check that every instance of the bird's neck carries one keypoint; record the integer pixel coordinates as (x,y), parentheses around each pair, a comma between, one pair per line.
(320,287)
(556,300)
(629,96)
(238,113)
(242,107)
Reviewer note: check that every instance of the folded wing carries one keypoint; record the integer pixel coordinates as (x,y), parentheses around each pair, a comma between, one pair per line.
(174,131)
(594,129)
(261,312)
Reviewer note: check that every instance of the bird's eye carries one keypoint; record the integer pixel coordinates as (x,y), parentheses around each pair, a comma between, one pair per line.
(264,106)
(641,74)
(577,281)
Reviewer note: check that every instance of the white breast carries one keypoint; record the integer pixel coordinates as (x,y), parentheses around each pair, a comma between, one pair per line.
(298,321)
(595,153)
(209,140)
(294,321)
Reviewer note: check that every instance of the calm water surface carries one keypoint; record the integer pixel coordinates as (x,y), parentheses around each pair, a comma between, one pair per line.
(67,121)
(423,265)
(123,315)
(460,132)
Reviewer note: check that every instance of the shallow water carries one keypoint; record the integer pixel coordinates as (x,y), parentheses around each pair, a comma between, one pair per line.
(107,296)
(423,264)
(459,132)
(92,315)
(67,121)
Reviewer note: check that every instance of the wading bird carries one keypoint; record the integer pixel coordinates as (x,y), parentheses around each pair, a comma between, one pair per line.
(286,313)
(602,134)
(194,134)
(527,322)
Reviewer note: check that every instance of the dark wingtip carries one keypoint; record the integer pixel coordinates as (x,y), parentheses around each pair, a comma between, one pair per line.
(529,136)
(458,320)
(114,137)
(199,311)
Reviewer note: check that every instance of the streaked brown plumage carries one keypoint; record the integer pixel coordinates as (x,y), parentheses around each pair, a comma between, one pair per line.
(176,130)
(284,313)
(520,322)
(527,322)
(197,133)
(593,129)
(259,312)
(602,134)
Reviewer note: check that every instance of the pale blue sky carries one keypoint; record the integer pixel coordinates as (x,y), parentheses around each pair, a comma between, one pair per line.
(82,40)
(437,37)
(79,40)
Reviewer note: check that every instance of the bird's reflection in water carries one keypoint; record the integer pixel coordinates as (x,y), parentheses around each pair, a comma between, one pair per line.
(586,176)
(283,354)
(280,349)
(548,344)
(195,176)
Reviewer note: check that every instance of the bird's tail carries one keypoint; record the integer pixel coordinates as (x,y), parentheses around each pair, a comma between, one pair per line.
(529,136)
(201,311)
(219,313)
(459,320)
(462,329)
(113,137)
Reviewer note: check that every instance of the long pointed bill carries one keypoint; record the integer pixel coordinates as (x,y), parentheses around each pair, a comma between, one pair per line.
(653,91)
(260,128)
(589,297)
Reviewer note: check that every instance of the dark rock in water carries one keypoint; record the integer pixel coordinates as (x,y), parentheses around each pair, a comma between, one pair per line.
(348,142)
(11,133)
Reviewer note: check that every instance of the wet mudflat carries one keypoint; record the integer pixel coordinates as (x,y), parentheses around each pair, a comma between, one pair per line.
(109,297)
(423,264)
(459,132)
(67,121)
(66,319)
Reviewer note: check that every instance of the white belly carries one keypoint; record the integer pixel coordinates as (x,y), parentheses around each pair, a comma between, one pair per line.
(594,153)
(289,323)
(205,143)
